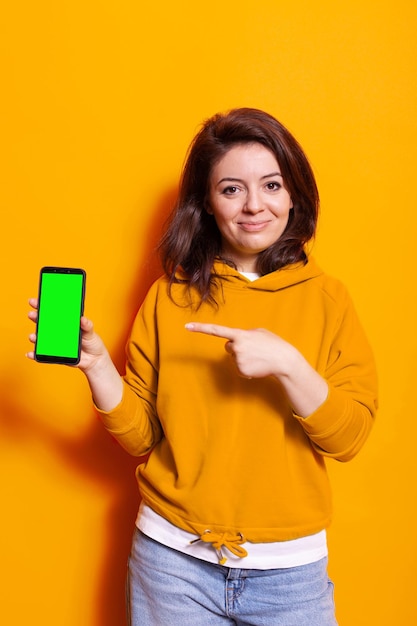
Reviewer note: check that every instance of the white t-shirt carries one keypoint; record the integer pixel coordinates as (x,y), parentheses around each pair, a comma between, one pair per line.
(276,555)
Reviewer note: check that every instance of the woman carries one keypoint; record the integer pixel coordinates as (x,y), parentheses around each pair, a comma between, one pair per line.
(246,367)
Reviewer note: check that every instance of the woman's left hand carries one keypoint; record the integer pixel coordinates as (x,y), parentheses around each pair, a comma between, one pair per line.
(258,353)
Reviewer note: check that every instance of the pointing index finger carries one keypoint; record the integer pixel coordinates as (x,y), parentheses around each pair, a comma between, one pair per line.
(212,329)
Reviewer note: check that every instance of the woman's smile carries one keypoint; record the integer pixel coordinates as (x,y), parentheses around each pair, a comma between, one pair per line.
(253,226)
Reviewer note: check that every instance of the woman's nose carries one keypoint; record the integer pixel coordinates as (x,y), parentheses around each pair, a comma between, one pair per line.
(253,202)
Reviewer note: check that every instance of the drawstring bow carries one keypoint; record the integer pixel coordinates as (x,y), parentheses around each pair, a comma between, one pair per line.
(232,542)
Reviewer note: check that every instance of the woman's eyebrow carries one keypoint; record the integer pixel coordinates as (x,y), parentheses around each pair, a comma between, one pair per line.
(233,179)
(230,179)
(272,175)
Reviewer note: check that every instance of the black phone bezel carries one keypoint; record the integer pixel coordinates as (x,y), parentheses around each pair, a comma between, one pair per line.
(47,358)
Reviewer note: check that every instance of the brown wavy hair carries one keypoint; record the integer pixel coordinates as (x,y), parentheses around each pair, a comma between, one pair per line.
(192,241)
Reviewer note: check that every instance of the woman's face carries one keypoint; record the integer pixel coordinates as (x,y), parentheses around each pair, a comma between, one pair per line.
(249,202)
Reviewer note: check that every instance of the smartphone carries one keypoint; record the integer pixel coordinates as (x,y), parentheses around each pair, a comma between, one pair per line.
(60,307)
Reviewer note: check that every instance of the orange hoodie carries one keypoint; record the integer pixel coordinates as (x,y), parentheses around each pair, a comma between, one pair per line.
(227,453)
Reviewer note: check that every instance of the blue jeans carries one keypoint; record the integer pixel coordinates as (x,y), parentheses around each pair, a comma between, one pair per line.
(168,588)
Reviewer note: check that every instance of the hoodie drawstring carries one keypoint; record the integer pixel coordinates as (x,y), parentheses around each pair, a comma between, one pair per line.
(232,542)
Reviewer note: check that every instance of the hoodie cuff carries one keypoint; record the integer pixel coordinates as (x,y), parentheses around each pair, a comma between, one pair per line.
(119,420)
(329,427)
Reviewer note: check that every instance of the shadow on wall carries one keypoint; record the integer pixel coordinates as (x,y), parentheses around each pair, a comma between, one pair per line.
(99,460)
(148,268)
(95,455)
(111,592)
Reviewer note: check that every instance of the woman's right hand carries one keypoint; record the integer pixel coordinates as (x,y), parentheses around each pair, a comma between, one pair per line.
(92,346)
(95,361)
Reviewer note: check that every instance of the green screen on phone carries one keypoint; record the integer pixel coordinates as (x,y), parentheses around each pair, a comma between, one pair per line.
(61,300)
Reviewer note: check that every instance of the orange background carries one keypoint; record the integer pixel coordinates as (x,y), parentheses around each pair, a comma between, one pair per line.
(100,101)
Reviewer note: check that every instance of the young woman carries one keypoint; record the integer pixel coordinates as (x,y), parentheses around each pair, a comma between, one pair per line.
(246,367)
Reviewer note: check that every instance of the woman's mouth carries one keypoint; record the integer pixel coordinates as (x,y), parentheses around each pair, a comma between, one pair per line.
(252,227)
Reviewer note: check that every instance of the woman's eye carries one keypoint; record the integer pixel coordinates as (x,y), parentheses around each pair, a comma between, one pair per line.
(273,186)
(230,191)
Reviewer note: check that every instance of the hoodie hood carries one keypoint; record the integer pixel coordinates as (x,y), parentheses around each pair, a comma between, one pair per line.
(280,279)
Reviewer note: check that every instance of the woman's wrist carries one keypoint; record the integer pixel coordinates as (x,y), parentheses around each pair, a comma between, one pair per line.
(105,383)
(306,389)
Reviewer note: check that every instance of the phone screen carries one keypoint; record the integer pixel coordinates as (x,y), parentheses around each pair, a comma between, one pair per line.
(60,307)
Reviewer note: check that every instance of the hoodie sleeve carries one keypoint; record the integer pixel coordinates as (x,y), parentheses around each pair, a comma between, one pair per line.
(341,425)
(134,422)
